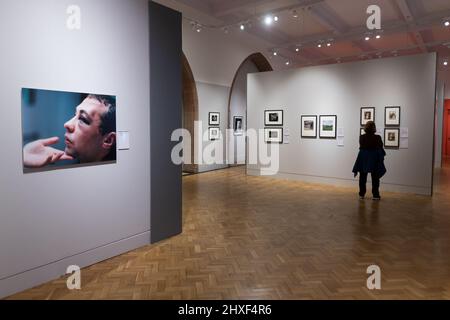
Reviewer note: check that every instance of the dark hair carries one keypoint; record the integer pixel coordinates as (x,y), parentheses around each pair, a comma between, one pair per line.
(370,127)
(108,119)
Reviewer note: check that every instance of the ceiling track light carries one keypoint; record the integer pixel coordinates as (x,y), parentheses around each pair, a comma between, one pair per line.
(367,38)
(378,36)
(242,27)
(447,23)
(445,63)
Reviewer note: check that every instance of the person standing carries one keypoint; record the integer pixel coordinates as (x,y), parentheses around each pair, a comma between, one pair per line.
(370,160)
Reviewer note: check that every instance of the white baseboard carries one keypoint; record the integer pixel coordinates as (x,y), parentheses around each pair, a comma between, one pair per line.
(54,270)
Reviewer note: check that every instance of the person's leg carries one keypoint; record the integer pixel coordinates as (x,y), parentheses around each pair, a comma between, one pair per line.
(362,184)
(375,186)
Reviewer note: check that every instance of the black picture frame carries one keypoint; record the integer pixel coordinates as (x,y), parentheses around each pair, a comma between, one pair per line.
(274,123)
(213,122)
(387,143)
(210,135)
(280,141)
(388,122)
(321,135)
(236,131)
(303,136)
(362,119)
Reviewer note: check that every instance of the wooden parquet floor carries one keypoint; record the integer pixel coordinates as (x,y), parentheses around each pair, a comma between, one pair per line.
(257,238)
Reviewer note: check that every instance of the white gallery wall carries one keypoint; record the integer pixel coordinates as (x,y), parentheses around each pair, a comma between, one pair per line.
(342,89)
(213,98)
(238,107)
(79,216)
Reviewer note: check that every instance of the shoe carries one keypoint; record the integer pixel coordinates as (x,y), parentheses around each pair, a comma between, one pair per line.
(377,198)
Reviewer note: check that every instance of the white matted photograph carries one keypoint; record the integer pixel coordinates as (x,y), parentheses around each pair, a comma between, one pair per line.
(367,114)
(214,118)
(392,117)
(273,117)
(309,126)
(392,138)
(214,134)
(327,127)
(273,135)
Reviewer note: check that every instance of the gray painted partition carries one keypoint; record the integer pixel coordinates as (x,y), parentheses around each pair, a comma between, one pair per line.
(84,215)
(342,90)
(165,117)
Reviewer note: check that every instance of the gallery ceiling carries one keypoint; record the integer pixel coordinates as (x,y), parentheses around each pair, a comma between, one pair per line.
(310,32)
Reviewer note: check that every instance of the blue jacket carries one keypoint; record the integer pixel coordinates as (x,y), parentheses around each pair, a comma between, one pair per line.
(371,156)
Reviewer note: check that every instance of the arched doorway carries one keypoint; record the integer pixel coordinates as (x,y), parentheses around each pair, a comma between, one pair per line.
(190,109)
(237,106)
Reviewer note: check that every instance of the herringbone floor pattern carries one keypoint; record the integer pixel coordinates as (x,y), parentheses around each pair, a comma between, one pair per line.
(257,238)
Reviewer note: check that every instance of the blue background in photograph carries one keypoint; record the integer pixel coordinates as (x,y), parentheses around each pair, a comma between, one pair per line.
(44,113)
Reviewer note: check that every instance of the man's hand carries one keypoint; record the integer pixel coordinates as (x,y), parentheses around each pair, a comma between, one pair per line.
(38,154)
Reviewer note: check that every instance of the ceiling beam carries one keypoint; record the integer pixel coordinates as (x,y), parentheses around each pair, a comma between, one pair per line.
(411,10)
(227,7)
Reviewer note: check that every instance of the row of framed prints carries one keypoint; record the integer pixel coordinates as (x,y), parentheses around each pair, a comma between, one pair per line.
(327,127)
(391,116)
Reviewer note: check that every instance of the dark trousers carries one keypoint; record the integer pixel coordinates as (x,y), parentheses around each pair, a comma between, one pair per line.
(375,184)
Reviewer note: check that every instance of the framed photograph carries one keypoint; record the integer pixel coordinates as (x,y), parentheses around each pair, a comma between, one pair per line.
(214,118)
(238,125)
(273,135)
(392,138)
(214,134)
(273,117)
(66,129)
(367,114)
(309,126)
(327,127)
(392,117)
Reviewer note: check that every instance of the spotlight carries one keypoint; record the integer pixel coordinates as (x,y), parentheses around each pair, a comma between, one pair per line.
(329,44)
(367,38)
(378,36)
(295,14)
(242,27)
(198,28)
(268,20)
(319,46)
(288,63)
(297,49)
(445,63)
(275,53)
(447,23)
(225,30)
(275,18)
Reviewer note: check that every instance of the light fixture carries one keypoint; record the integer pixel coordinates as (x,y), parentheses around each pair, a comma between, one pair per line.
(378,36)
(367,38)
(268,20)
(329,44)
(225,30)
(319,45)
(297,49)
(242,27)
(445,63)
(275,53)
(447,23)
(275,18)
(295,14)
(288,63)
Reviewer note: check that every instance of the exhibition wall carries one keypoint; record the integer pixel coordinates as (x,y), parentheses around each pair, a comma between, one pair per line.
(238,108)
(342,89)
(213,98)
(81,215)
(439,124)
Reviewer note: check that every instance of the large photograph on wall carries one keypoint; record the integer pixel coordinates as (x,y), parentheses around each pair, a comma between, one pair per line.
(67,129)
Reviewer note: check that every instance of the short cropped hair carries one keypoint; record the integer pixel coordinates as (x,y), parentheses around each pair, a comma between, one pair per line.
(370,127)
